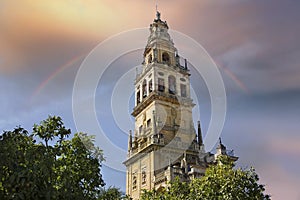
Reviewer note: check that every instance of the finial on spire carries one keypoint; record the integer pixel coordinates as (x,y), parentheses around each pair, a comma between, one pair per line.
(200,140)
(157,13)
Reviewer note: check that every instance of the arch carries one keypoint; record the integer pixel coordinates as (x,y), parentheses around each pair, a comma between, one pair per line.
(172,84)
(144,92)
(150,85)
(165,58)
(138,97)
(150,58)
(161,85)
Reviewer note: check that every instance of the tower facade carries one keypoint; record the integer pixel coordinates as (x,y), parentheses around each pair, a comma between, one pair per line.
(164,143)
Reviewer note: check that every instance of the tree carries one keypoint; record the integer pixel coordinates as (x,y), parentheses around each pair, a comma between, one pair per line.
(53,168)
(14,174)
(175,190)
(153,195)
(112,193)
(220,182)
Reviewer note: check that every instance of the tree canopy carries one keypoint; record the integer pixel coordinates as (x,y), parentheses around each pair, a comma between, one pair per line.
(45,164)
(220,182)
(112,193)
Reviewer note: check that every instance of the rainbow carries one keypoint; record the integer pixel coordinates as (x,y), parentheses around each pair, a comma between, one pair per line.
(60,69)
(75,59)
(233,77)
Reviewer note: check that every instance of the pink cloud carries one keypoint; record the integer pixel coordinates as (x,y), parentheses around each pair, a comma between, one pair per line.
(279,183)
(285,146)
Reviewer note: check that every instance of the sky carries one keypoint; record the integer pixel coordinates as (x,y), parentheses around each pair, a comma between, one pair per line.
(254,43)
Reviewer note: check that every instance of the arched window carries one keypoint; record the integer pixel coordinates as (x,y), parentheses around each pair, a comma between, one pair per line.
(166,58)
(144,88)
(150,58)
(138,97)
(161,85)
(150,86)
(172,84)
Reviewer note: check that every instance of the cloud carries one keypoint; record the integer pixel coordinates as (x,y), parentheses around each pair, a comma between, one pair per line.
(38,33)
(255,40)
(288,147)
(279,183)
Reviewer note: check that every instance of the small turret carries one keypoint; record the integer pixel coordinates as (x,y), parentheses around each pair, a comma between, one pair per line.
(221,149)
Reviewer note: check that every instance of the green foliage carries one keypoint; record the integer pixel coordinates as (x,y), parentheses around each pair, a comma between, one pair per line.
(224,182)
(220,182)
(53,168)
(112,193)
(175,190)
(153,195)
(16,151)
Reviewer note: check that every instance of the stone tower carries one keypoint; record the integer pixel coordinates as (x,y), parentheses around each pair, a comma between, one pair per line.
(164,144)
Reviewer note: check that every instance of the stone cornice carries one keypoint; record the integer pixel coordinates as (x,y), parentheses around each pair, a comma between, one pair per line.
(155,95)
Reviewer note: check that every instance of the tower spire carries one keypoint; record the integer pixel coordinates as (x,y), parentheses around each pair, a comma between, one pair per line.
(200,140)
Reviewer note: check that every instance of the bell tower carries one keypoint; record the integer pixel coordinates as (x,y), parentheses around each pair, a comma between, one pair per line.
(164,143)
(162,89)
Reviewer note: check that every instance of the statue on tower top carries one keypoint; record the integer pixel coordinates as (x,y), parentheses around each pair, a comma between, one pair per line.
(158,15)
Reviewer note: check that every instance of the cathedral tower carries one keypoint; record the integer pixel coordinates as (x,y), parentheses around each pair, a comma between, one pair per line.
(164,143)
